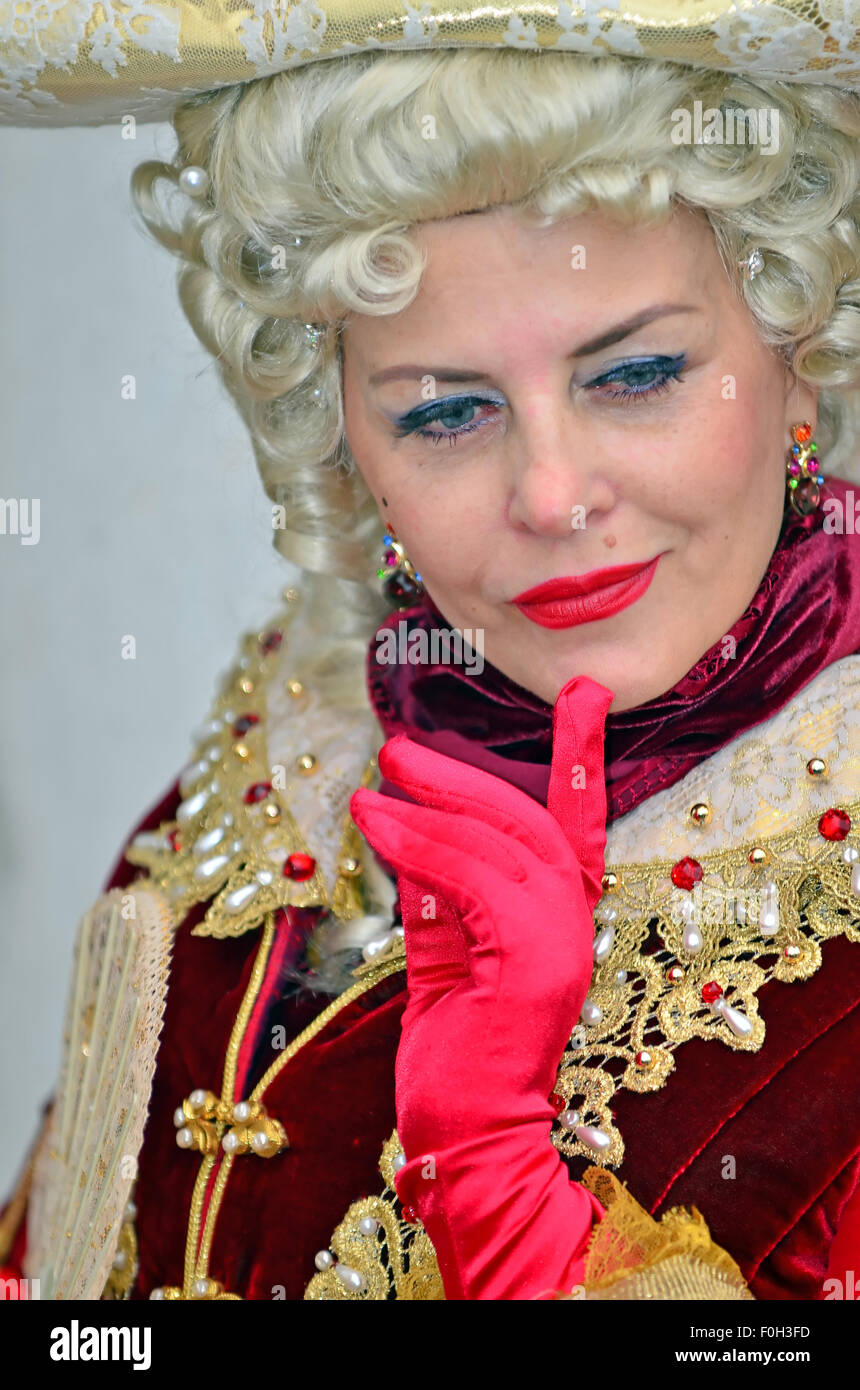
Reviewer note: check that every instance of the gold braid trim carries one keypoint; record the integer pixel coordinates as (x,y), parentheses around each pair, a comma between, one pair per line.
(632,1256)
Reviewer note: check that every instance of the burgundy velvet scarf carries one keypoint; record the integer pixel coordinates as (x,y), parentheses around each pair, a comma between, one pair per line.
(805,615)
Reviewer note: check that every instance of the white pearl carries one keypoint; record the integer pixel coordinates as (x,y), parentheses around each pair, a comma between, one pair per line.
(184,1138)
(373,948)
(198,1097)
(740,912)
(368,1226)
(120,1259)
(148,839)
(235,901)
(692,940)
(192,773)
(593,1138)
(157,1294)
(242,1111)
(850,854)
(204,843)
(768,917)
(398,1161)
(209,730)
(259,1140)
(207,867)
(740,1025)
(130,1213)
(323,1259)
(621,977)
(855,880)
(603,944)
(591,1013)
(569,1119)
(230,1142)
(179,1117)
(194,181)
(350,1277)
(200,1288)
(607,913)
(192,807)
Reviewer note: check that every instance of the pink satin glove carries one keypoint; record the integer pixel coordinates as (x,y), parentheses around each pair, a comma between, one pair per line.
(497,894)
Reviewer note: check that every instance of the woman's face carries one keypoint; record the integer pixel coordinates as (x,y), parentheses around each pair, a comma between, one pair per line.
(562,402)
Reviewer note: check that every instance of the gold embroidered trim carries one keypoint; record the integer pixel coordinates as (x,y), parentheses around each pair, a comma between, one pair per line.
(645,1014)
(394,1261)
(232,849)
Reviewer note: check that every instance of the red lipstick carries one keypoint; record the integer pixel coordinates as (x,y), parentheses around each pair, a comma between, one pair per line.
(585,598)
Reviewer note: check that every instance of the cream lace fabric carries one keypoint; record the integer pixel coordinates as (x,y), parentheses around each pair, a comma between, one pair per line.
(86,1166)
(66,62)
(341,745)
(758,786)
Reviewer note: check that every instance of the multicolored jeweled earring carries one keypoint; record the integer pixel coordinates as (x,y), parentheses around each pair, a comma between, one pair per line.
(803,471)
(400,580)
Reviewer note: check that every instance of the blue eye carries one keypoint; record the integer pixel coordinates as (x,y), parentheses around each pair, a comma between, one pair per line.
(639,379)
(629,383)
(456,414)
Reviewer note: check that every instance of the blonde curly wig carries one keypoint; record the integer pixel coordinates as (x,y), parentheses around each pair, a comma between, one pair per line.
(317,174)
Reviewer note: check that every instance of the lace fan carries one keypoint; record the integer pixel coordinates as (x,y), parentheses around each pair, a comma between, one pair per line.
(87,1165)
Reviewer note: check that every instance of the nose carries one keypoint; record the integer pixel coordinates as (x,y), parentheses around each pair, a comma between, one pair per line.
(554,484)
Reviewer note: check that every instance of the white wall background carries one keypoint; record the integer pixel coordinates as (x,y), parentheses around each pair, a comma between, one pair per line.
(153,523)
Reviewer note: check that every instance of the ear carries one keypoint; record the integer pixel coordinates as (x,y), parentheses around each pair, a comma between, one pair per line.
(801,403)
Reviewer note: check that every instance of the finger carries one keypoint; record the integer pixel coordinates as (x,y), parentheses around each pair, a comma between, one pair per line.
(470,863)
(437,956)
(577,786)
(435,780)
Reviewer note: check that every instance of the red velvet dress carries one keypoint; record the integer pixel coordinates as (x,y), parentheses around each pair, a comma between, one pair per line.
(788,1113)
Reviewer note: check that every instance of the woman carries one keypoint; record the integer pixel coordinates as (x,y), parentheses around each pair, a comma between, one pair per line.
(614,813)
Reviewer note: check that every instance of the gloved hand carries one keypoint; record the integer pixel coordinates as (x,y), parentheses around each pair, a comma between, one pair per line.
(497,894)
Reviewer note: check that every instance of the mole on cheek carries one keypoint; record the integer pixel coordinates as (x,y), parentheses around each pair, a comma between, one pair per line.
(610,542)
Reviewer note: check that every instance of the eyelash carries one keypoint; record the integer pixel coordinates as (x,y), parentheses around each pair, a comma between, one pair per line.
(666,369)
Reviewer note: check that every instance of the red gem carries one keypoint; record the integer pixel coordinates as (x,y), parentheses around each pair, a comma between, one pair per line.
(174,841)
(410,1215)
(794,469)
(802,433)
(557,1102)
(243,724)
(711,991)
(398,586)
(258,791)
(806,497)
(686,873)
(299,867)
(271,641)
(834,824)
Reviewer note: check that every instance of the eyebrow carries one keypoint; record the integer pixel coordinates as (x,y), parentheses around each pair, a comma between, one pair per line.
(604,340)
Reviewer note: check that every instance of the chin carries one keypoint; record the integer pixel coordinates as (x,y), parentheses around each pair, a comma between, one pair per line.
(631,687)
